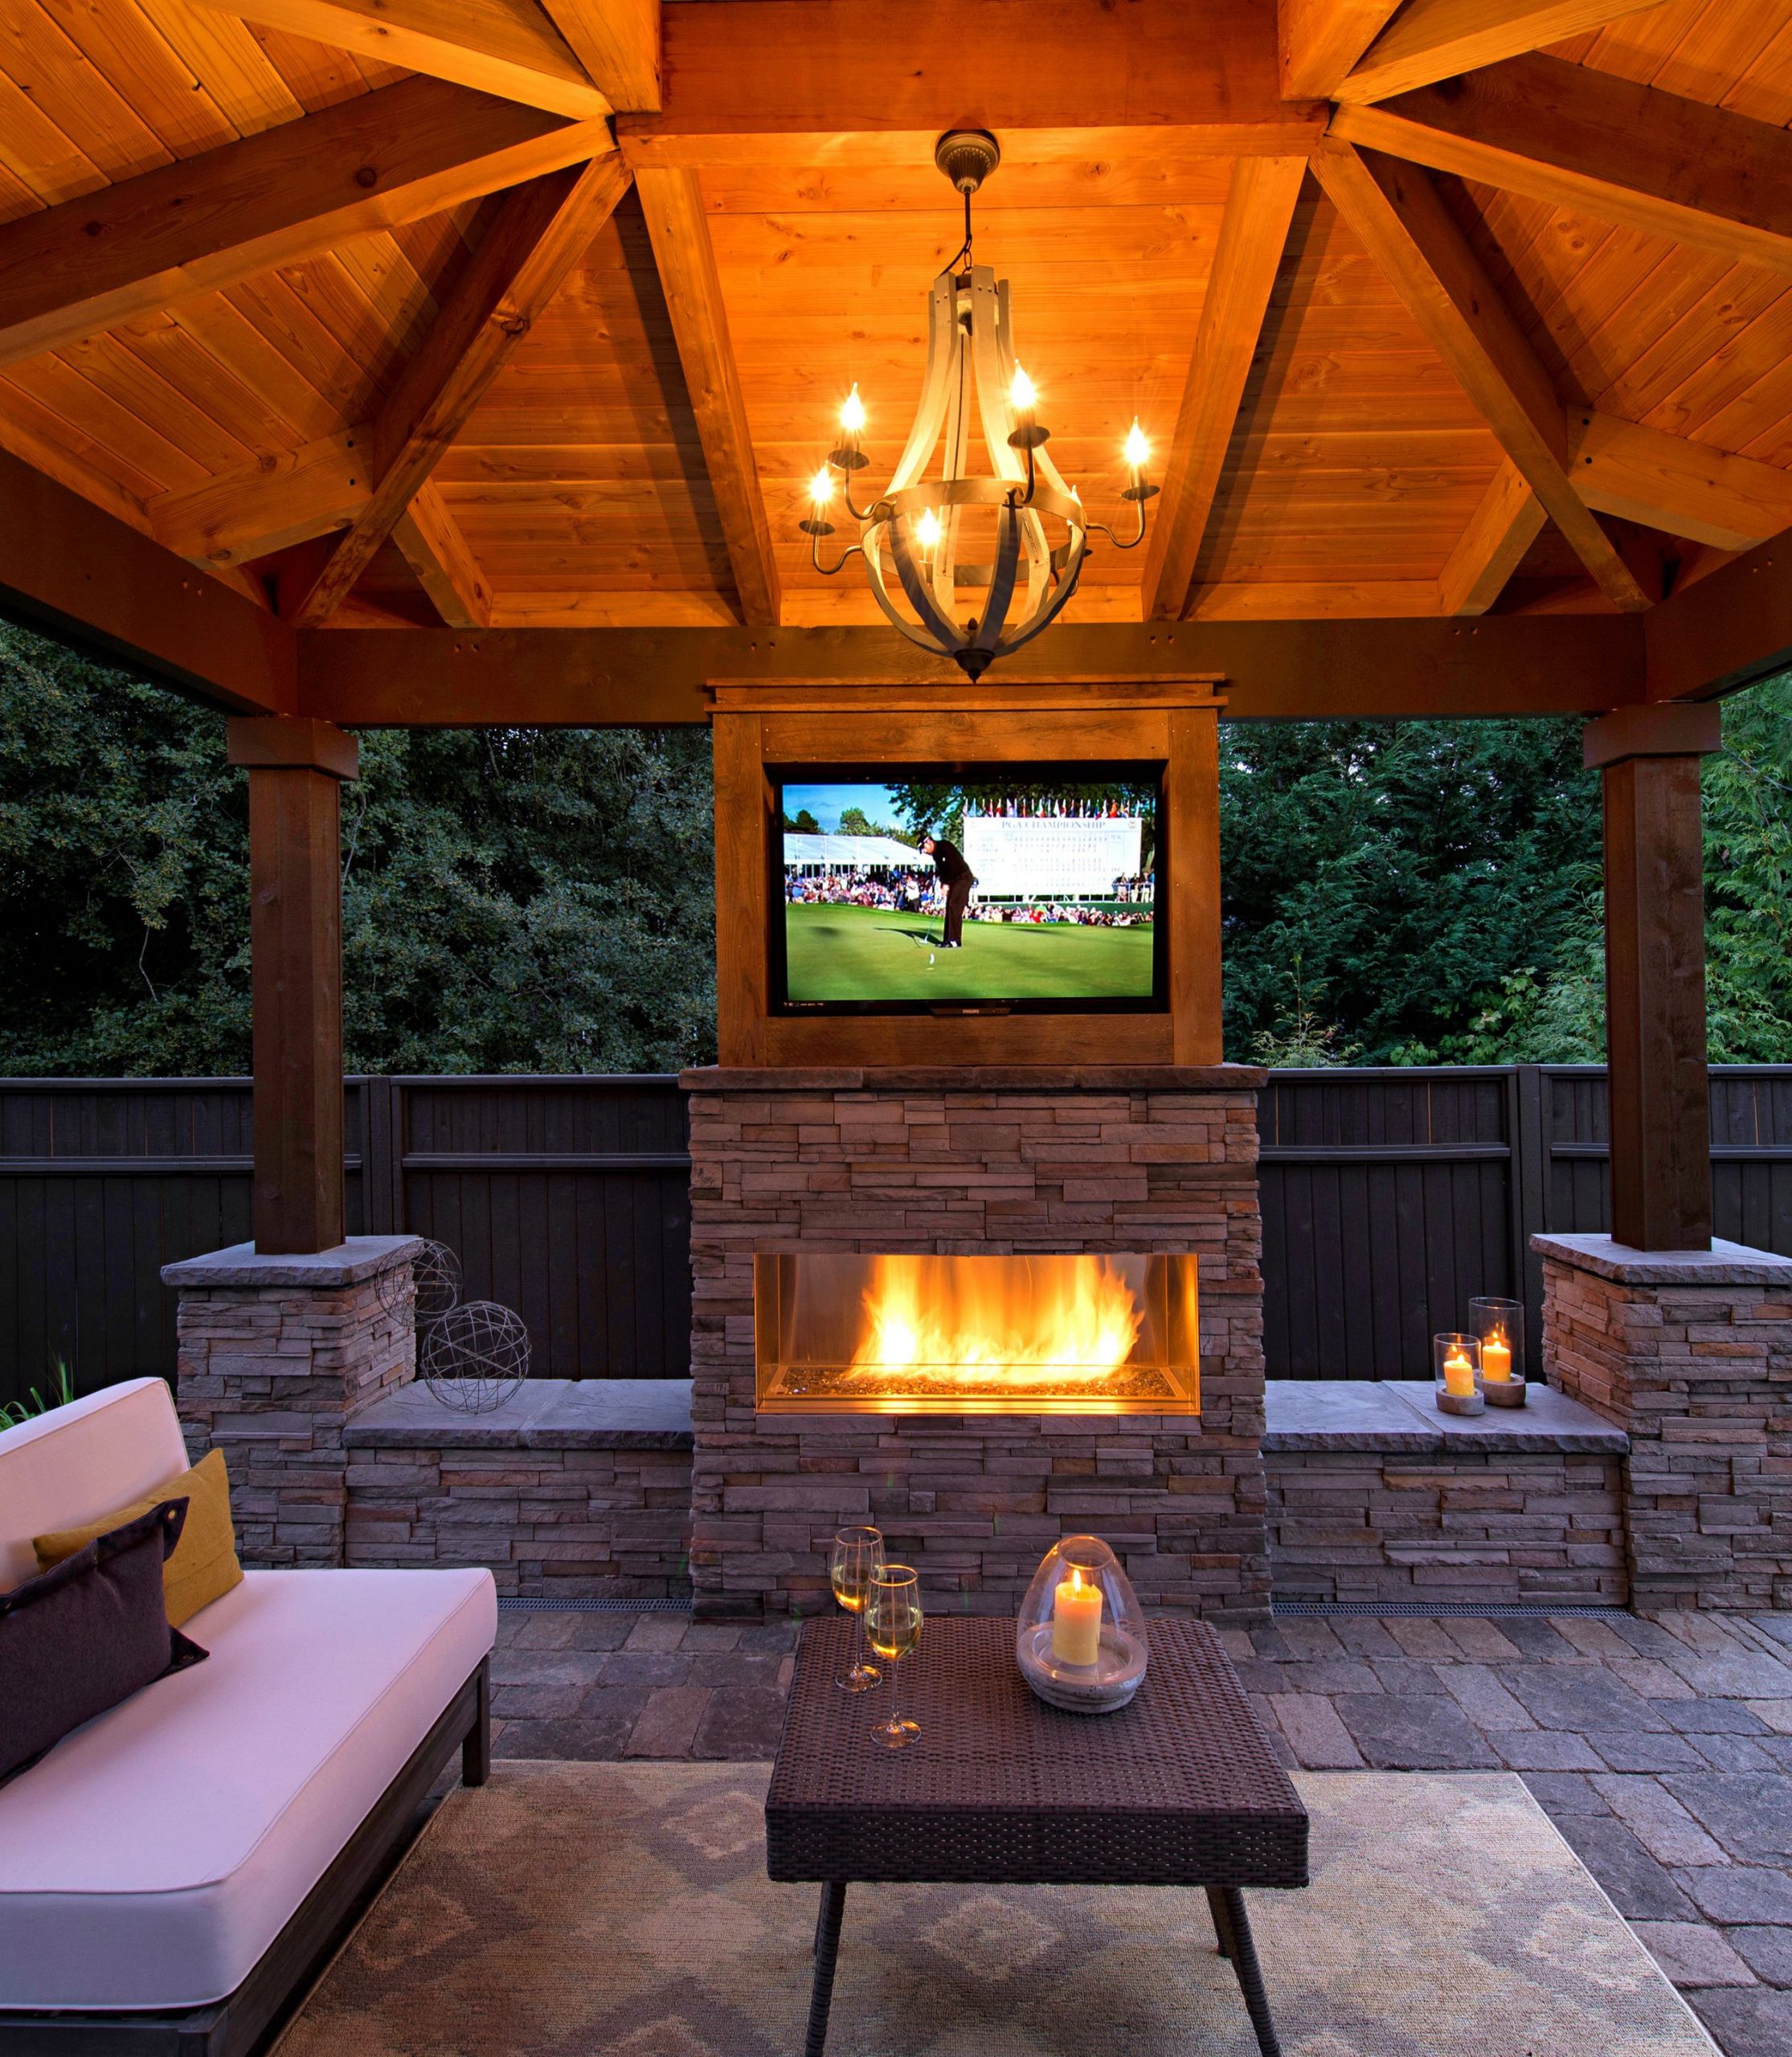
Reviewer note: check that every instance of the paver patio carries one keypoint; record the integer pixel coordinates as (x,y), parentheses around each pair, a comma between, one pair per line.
(1662,1749)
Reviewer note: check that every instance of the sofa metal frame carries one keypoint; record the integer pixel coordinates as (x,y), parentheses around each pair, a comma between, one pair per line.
(234,2026)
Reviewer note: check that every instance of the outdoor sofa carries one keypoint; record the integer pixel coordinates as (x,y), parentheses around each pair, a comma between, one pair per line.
(172,1871)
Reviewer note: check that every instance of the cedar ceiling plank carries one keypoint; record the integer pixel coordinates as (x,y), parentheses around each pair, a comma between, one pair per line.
(1580,139)
(271,199)
(73,570)
(809,76)
(520,265)
(1342,599)
(1432,39)
(509,48)
(433,546)
(1393,209)
(269,504)
(673,206)
(618,43)
(1491,549)
(1254,231)
(1669,483)
(126,46)
(250,92)
(1320,40)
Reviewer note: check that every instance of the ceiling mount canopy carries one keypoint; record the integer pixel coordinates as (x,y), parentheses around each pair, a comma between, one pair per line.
(970,561)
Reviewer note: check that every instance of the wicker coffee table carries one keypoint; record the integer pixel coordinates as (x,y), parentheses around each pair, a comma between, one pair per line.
(1177,1789)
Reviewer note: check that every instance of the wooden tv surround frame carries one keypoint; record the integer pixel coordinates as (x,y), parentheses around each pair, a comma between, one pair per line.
(1175,721)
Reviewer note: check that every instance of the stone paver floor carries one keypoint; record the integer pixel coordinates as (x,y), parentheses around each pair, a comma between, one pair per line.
(1661,1749)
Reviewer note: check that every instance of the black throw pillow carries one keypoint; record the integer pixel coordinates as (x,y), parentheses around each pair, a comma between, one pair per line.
(86,1635)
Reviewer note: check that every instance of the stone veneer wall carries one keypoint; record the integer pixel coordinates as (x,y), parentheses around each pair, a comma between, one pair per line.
(1691,1352)
(963,1161)
(277,1355)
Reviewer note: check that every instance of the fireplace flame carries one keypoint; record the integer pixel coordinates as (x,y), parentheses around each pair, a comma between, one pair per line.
(1075,1319)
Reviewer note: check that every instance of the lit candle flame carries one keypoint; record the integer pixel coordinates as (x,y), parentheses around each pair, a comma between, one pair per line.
(852,412)
(926,530)
(821,487)
(1023,393)
(1138,448)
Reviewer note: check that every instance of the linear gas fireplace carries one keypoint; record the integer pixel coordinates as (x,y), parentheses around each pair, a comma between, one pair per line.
(837,1333)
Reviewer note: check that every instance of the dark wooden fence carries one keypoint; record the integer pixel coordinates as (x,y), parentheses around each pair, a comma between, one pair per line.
(1390,1197)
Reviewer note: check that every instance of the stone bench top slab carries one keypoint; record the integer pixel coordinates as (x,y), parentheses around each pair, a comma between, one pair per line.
(541,1414)
(1723,1264)
(242,1265)
(1400,1415)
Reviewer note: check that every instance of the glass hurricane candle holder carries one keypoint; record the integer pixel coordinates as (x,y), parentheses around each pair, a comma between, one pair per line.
(1500,1326)
(1081,1640)
(1456,1369)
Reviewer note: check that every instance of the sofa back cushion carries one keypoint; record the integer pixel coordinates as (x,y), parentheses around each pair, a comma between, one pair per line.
(78,1463)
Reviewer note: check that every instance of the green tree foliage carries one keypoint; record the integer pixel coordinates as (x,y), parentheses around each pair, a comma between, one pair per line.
(804,824)
(538,900)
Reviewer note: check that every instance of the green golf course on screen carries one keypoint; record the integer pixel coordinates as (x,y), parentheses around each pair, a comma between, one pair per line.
(872,953)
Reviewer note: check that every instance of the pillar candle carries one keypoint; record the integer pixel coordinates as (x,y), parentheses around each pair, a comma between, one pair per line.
(1497,1357)
(1076,1621)
(1458,1378)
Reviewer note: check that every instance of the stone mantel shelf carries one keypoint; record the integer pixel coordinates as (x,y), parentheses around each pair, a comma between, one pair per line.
(1723,1264)
(975,1078)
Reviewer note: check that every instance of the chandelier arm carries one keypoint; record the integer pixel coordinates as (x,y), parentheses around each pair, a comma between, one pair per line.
(1101,528)
(831,571)
(1006,368)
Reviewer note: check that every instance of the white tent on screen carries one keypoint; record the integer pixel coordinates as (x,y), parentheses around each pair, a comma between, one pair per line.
(827,853)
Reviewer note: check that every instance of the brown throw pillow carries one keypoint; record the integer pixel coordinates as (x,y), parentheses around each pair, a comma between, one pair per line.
(86,1635)
(203,1566)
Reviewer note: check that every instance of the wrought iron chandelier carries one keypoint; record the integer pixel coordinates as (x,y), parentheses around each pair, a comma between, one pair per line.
(988,534)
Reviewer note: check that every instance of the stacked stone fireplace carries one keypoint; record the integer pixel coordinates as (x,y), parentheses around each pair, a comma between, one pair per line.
(1135,1161)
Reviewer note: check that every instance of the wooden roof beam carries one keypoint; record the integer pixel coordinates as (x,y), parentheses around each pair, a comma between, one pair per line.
(509,48)
(1582,139)
(1394,211)
(268,503)
(541,231)
(1669,482)
(430,540)
(1254,231)
(1432,39)
(1320,40)
(271,199)
(1508,520)
(618,43)
(1732,629)
(76,572)
(673,206)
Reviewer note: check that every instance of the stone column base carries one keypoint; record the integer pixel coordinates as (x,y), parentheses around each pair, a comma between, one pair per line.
(277,1355)
(1689,1351)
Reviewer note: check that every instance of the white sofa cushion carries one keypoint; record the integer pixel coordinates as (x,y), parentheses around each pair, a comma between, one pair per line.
(153,1855)
(67,1468)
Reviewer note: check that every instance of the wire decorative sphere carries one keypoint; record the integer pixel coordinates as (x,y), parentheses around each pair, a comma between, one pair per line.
(474,1357)
(435,1279)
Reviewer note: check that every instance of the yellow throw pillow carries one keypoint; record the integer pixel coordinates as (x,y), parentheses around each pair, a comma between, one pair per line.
(203,1566)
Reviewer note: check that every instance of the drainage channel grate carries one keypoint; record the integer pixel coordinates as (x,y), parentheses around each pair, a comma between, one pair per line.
(1456,1610)
(508,1604)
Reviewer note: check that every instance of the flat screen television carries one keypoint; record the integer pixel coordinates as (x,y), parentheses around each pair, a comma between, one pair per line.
(968,889)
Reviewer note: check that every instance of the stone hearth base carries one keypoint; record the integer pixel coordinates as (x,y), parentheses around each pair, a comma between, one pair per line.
(963,1161)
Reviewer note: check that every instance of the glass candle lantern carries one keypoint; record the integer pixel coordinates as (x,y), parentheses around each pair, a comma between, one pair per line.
(1456,1369)
(1081,1640)
(1500,1326)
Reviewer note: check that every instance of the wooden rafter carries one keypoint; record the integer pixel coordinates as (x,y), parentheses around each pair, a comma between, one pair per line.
(1320,40)
(618,43)
(1668,482)
(275,198)
(1581,139)
(673,206)
(1431,39)
(540,233)
(261,507)
(1394,211)
(430,540)
(1259,206)
(509,48)
(1508,520)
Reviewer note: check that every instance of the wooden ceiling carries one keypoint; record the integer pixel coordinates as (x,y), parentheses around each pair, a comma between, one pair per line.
(536,314)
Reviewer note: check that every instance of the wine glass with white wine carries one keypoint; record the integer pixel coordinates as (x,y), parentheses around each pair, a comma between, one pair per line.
(857,1556)
(893,1628)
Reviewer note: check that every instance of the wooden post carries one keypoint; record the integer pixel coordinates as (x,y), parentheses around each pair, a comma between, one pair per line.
(1659,1094)
(296,767)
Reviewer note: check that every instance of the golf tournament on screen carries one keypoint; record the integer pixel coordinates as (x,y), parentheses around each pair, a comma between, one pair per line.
(1038,894)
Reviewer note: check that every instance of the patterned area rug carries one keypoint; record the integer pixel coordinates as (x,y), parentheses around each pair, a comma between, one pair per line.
(567,1910)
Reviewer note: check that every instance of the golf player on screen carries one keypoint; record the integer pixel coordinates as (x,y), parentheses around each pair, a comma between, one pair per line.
(954,874)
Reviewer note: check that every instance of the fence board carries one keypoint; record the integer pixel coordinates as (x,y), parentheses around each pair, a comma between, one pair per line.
(1390,1197)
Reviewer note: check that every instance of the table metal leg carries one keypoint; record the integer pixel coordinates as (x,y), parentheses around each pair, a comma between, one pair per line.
(827,1950)
(1233,1926)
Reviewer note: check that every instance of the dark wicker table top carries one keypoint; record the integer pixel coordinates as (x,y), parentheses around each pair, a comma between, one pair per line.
(1178,1789)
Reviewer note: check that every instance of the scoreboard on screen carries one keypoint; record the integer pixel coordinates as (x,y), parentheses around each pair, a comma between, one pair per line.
(1049,857)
